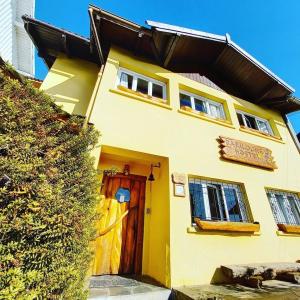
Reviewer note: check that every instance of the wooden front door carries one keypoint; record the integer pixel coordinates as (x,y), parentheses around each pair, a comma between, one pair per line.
(119,245)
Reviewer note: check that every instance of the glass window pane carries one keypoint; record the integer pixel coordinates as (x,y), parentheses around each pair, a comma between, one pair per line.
(197,200)
(285,207)
(126,80)
(282,207)
(215,110)
(185,100)
(240,118)
(232,203)
(214,201)
(142,86)
(157,91)
(217,209)
(250,122)
(199,105)
(263,126)
(295,209)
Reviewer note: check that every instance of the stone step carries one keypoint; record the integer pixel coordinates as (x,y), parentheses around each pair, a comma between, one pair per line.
(113,287)
(156,295)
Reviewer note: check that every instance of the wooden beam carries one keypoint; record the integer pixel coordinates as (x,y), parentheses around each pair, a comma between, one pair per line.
(215,63)
(27,27)
(171,49)
(266,270)
(155,49)
(97,40)
(65,44)
(265,92)
(289,228)
(227,226)
(138,42)
(293,277)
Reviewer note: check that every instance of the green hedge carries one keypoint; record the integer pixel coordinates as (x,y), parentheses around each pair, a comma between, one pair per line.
(47,196)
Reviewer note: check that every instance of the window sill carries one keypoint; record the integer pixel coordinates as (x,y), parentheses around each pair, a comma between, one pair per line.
(263,135)
(203,116)
(289,229)
(139,96)
(237,227)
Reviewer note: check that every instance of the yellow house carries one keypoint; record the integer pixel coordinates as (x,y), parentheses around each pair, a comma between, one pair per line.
(199,165)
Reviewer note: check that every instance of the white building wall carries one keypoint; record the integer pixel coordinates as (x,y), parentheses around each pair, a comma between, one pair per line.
(15,45)
(6,34)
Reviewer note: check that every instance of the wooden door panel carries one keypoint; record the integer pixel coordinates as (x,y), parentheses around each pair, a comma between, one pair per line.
(129,251)
(119,250)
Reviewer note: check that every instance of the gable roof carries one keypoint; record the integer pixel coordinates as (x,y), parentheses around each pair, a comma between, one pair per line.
(215,58)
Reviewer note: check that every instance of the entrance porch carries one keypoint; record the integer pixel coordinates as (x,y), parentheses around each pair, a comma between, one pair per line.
(133,227)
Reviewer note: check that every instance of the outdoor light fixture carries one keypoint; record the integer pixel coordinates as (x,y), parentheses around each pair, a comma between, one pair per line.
(151,176)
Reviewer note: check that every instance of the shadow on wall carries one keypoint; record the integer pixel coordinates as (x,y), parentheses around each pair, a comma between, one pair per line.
(71,83)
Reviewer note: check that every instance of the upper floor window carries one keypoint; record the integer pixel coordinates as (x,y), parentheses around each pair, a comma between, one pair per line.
(199,103)
(254,122)
(217,201)
(142,84)
(285,207)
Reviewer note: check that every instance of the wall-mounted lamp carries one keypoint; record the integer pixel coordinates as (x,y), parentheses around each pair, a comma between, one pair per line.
(151,176)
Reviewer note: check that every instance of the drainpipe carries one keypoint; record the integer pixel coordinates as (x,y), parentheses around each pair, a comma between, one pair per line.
(93,97)
(96,88)
(292,132)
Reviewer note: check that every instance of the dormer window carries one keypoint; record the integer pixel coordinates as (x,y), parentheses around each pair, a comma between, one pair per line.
(141,84)
(254,122)
(201,104)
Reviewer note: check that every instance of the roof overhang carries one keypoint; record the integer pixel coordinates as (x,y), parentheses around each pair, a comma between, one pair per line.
(50,41)
(177,49)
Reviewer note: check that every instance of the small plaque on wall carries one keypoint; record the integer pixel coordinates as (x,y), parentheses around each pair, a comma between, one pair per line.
(179,181)
(179,190)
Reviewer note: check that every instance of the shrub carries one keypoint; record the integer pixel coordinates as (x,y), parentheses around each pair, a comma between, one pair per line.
(47,196)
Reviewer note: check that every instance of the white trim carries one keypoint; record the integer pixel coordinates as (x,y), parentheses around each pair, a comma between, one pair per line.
(206,103)
(255,118)
(206,202)
(148,79)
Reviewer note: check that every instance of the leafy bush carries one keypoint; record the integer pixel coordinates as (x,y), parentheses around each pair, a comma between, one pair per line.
(47,196)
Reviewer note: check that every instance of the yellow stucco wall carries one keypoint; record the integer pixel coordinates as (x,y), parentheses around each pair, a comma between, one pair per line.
(174,255)
(71,83)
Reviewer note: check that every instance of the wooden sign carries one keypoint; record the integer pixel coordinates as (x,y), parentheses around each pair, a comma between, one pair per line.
(246,153)
(178,178)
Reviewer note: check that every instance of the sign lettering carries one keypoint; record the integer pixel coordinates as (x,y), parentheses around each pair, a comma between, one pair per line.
(247,153)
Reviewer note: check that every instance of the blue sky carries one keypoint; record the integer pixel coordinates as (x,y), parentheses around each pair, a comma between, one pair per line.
(269,29)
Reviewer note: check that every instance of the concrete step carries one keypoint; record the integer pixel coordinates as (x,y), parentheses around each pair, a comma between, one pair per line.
(157,295)
(113,287)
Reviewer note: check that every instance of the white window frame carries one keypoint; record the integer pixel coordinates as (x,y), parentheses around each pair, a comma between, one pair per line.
(148,79)
(226,218)
(206,102)
(287,216)
(256,118)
